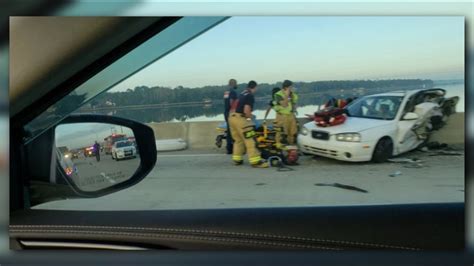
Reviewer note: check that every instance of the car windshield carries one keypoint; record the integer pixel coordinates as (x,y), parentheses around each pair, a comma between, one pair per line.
(375,107)
(117,139)
(123,144)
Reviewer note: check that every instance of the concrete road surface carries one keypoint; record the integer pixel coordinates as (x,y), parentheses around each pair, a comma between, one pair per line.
(207,179)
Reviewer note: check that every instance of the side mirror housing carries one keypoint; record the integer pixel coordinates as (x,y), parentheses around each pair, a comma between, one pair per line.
(410,116)
(90,156)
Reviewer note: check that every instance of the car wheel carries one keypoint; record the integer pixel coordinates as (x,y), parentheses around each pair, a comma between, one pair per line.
(219,141)
(383,150)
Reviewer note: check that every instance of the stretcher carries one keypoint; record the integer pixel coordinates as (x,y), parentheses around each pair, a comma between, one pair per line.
(265,140)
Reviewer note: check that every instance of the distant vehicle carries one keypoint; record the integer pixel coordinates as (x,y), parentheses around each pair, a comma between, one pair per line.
(68,155)
(89,151)
(380,126)
(71,154)
(123,149)
(63,149)
(74,154)
(134,142)
(66,163)
(111,140)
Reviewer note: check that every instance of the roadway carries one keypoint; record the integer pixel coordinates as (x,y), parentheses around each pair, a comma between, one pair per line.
(93,175)
(207,179)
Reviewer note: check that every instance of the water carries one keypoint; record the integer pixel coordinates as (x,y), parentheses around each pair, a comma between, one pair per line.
(260,114)
(309,104)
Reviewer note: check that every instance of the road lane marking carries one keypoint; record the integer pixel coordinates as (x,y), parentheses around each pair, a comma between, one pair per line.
(108,178)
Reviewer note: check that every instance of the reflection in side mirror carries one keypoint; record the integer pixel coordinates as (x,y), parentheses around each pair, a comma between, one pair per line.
(95,156)
(410,116)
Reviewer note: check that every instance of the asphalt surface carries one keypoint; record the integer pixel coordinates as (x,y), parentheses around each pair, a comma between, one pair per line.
(207,179)
(93,175)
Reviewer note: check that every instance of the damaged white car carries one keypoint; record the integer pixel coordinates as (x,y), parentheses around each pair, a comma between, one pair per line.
(380,126)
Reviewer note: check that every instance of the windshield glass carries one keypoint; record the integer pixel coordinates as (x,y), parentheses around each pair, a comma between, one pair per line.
(117,139)
(122,144)
(158,46)
(375,107)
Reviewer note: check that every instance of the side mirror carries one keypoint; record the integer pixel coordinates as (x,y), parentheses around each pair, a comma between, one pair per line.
(410,116)
(94,155)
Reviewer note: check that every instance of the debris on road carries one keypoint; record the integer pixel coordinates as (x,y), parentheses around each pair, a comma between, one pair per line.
(260,184)
(341,186)
(404,160)
(434,145)
(441,153)
(438,147)
(424,149)
(414,165)
(410,163)
(397,173)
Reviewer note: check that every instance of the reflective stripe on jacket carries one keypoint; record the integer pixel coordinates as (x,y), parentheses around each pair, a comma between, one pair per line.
(280,95)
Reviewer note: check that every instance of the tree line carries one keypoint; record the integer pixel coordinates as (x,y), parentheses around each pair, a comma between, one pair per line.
(141,95)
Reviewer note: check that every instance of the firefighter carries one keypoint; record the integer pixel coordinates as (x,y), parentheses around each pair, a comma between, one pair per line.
(271,104)
(243,129)
(229,97)
(285,122)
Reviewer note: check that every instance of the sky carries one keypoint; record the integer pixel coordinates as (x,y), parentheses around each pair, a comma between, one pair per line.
(79,135)
(271,49)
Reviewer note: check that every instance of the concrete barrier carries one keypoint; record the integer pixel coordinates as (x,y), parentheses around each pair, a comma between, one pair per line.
(170,130)
(196,134)
(202,135)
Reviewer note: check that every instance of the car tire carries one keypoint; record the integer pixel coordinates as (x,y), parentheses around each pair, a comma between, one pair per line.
(383,150)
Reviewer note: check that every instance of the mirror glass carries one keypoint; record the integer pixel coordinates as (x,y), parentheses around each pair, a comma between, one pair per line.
(95,156)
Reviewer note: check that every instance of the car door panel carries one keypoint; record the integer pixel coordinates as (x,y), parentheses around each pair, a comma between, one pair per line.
(406,137)
(399,227)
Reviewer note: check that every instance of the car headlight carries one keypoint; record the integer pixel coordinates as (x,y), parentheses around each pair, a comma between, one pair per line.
(304,131)
(350,137)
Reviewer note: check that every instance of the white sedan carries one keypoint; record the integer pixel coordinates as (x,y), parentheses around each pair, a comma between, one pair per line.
(380,126)
(123,149)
